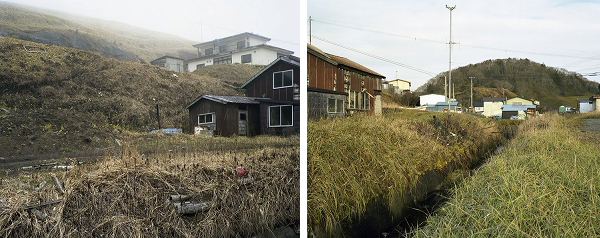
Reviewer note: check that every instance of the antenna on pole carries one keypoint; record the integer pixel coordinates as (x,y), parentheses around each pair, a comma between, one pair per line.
(450,43)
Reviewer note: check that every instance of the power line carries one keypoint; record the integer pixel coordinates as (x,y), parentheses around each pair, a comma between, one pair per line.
(375,56)
(462,44)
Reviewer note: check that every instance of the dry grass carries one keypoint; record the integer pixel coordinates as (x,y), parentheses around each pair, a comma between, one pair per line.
(544,183)
(127,196)
(355,161)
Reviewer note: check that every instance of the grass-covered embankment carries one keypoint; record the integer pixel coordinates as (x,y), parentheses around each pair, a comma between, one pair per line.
(545,183)
(384,163)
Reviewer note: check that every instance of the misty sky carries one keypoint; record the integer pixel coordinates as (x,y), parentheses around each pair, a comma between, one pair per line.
(194,20)
(561,34)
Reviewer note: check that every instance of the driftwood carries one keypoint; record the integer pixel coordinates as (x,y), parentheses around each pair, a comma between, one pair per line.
(38,213)
(60,187)
(246,180)
(42,204)
(185,208)
(178,197)
(39,187)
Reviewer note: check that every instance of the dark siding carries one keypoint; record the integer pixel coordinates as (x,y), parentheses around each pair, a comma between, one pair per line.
(226,116)
(322,74)
(264,121)
(263,84)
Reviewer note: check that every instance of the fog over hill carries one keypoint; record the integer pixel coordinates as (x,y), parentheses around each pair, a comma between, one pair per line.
(111,39)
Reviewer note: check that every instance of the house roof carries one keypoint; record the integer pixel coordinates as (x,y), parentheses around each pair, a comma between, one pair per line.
(399,80)
(231,37)
(313,50)
(492,99)
(281,50)
(352,64)
(290,60)
(512,108)
(446,104)
(583,100)
(432,94)
(226,99)
(167,56)
(477,104)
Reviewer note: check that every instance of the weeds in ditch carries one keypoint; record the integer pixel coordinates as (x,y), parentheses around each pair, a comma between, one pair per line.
(543,184)
(355,161)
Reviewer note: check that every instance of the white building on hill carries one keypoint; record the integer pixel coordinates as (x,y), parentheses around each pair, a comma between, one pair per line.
(244,48)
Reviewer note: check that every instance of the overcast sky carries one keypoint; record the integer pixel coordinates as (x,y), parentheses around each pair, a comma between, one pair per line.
(563,34)
(194,20)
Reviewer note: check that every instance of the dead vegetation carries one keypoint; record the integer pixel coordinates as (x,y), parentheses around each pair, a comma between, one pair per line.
(129,196)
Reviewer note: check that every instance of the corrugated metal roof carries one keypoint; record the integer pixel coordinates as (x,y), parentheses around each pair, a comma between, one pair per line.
(352,64)
(492,99)
(446,104)
(512,108)
(226,99)
(233,36)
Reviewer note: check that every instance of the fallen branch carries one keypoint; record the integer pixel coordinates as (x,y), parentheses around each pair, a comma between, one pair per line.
(43,204)
(185,208)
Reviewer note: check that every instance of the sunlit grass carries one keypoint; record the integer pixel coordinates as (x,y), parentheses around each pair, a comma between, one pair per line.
(543,184)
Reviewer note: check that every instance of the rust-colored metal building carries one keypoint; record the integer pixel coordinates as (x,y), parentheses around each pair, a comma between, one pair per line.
(338,86)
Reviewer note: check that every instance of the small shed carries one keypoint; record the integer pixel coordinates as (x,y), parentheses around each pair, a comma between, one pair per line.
(585,105)
(224,115)
(169,62)
(492,107)
(520,111)
(442,106)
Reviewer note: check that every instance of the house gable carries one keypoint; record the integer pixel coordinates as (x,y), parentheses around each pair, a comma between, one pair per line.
(268,82)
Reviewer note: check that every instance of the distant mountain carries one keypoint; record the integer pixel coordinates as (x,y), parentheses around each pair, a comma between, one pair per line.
(511,77)
(56,99)
(111,39)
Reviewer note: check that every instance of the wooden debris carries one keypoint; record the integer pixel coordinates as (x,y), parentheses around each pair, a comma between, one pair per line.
(179,197)
(186,208)
(39,187)
(58,185)
(246,180)
(43,204)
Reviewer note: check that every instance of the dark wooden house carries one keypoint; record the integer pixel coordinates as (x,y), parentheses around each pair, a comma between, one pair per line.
(271,105)
(224,115)
(339,86)
(277,89)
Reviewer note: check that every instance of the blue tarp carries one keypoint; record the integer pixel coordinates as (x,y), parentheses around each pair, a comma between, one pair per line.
(168,131)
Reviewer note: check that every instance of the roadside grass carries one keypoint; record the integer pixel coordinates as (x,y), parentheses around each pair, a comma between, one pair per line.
(127,196)
(361,159)
(544,183)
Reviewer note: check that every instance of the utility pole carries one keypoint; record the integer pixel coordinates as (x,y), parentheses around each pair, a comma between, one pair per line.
(310,30)
(450,53)
(446,88)
(158,115)
(472,108)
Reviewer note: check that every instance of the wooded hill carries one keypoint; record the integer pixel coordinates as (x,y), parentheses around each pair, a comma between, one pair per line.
(62,99)
(111,39)
(511,77)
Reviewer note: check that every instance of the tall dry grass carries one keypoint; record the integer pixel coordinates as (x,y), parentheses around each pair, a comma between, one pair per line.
(543,184)
(355,161)
(128,196)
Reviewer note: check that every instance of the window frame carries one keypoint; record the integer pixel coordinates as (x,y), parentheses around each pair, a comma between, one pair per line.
(282,78)
(338,106)
(206,51)
(247,55)
(199,66)
(280,114)
(212,118)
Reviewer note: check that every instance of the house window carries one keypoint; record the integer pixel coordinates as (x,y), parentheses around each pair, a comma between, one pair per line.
(222,48)
(206,118)
(352,99)
(366,101)
(283,79)
(247,58)
(208,51)
(222,60)
(199,66)
(240,45)
(281,116)
(335,105)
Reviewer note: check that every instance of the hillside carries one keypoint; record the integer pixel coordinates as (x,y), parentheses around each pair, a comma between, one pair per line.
(233,74)
(553,87)
(111,39)
(68,100)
